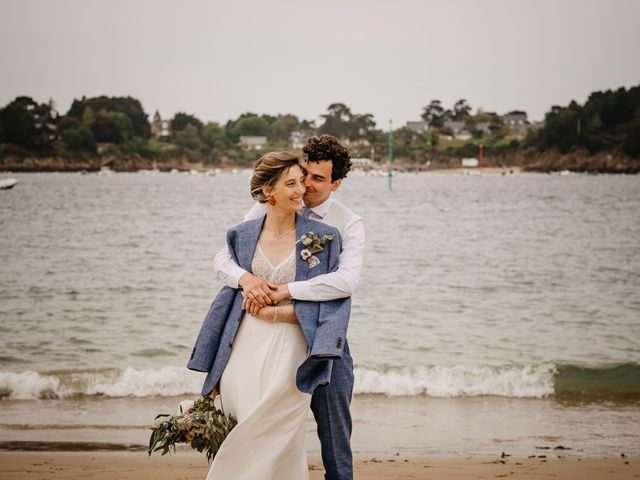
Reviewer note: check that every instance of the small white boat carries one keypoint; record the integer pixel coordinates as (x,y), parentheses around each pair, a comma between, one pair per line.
(8,183)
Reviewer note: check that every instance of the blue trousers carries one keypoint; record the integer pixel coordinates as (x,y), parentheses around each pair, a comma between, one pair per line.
(330,406)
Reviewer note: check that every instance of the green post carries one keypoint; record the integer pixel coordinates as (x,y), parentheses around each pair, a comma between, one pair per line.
(390,156)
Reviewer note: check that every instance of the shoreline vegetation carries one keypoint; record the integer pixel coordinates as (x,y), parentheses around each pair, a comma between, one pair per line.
(547,162)
(601,136)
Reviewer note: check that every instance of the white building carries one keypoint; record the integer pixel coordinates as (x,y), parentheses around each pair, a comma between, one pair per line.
(249,142)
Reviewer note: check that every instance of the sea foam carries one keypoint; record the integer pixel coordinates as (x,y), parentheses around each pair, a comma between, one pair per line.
(130,382)
(434,381)
(458,381)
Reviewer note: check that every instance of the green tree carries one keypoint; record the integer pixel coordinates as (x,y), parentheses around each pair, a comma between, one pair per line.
(282,127)
(461,109)
(250,125)
(79,139)
(112,127)
(433,114)
(362,127)
(131,107)
(180,121)
(65,122)
(337,121)
(561,128)
(19,123)
(214,136)
(189,138)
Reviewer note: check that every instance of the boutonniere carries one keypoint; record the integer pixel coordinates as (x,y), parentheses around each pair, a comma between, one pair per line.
(313,244)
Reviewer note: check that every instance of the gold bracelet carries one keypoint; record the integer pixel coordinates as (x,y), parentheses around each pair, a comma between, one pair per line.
(275,316)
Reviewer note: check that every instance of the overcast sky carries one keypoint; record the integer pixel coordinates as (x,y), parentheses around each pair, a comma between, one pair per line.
(218,59)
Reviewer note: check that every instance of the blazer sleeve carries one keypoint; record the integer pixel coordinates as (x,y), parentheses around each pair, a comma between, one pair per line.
(204,352)
(333,319)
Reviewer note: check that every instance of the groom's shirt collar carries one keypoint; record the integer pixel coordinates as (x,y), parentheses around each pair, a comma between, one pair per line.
(322,209)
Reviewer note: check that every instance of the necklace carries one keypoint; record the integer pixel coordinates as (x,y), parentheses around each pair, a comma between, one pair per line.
(280,236)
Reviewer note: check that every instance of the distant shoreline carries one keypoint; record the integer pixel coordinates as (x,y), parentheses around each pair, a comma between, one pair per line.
(547,162)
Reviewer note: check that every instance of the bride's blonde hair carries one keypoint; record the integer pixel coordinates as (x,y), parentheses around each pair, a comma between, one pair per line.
(267,171)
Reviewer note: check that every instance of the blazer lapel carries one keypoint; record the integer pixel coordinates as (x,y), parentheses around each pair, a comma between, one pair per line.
(248,242)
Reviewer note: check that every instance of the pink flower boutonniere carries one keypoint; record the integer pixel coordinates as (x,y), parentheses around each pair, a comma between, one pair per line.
(313,244)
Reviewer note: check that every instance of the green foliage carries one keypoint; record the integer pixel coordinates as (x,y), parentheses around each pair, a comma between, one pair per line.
(433,114)
(26,123)
(79,139)
(561,128)
(248,124)
(340,122)
(189,138)
(111,127)
(65,122)
(214,136)
(181,120)
(336,120)
(204,428)
(18,125)
(461,109)
(607,121)
(131,107)
(138,146)
(282,127)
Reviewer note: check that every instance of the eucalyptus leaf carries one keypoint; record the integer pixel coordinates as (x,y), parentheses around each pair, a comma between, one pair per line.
(204,428)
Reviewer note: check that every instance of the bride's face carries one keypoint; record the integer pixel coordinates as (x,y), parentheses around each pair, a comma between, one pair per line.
(289,190)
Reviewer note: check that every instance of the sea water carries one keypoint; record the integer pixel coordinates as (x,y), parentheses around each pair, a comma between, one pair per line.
(513,295)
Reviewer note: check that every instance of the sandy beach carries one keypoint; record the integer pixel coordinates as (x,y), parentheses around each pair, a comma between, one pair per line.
(136,465)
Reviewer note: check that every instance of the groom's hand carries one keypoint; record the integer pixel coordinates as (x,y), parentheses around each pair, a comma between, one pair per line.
(277,294)
(280,293)
(256,290)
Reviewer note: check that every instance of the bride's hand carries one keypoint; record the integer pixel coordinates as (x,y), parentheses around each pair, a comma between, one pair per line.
(250,306)
(256,289)
(213,393)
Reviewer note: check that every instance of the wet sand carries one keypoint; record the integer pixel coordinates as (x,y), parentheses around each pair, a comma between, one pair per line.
(187,466)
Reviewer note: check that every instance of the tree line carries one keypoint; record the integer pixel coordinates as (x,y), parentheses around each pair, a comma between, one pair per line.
(608,121)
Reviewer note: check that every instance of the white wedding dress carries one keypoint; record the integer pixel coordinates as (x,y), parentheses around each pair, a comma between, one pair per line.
(258,387)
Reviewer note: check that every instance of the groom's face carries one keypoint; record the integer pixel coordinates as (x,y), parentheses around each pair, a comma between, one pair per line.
(318,182)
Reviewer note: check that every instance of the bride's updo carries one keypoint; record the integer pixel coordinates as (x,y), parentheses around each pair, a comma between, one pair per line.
(267,171)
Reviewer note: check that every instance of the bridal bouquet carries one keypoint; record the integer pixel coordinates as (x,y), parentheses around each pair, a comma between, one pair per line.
(200,424)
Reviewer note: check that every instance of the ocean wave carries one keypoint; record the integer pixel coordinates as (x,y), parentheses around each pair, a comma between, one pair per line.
(458,381)
(529,381)
(130,382)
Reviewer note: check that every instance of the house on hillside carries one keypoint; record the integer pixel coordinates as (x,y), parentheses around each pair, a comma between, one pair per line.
(483,127)
(251,142)
(514,118)
(419,126)
(457,128)
(160,129)
(515,123)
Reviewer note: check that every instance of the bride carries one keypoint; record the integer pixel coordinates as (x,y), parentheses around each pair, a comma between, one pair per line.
(265,365)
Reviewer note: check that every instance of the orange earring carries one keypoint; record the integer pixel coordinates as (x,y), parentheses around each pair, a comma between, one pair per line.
(272,201)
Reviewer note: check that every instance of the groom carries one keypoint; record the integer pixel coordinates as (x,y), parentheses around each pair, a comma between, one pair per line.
(326,162)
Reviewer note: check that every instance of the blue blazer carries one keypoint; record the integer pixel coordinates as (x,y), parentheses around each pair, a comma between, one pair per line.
(324,324)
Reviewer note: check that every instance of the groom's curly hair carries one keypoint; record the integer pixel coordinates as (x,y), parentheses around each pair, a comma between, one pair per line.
(327,147)
(267,170)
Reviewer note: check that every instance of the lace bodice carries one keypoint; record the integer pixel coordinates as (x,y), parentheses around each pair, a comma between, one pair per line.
(285,272)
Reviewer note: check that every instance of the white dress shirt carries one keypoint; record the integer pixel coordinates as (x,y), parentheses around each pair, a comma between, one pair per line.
(339,284)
